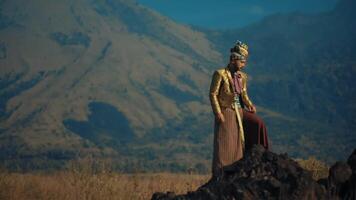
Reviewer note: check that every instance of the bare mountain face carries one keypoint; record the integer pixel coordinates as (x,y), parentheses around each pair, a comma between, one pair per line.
(303,66)
(95,76)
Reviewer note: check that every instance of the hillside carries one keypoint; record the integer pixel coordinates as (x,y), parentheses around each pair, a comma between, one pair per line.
(117,81)
(302,66)
(96,76)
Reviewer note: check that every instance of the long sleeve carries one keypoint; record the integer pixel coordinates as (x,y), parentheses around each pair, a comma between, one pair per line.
(244,94)
(214,92)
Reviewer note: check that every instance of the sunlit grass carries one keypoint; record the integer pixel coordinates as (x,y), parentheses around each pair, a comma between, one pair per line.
(83,181)
(72,185)
(317,168)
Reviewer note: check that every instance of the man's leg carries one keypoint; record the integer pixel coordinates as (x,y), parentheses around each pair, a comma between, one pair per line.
(255,130)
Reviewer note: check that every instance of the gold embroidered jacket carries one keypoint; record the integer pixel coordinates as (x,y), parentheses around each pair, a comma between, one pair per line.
(222,93)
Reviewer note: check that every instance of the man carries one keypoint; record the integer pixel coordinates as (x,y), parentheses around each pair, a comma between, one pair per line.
(228,97)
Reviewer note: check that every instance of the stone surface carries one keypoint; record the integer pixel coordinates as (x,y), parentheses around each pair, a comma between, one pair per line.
(262,174)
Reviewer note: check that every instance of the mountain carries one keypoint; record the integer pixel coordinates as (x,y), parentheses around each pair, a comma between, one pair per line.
(98,77)
(302,66)
(117,81)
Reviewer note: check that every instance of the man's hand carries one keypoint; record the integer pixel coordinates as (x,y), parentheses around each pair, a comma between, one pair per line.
(220,117)
(252,109)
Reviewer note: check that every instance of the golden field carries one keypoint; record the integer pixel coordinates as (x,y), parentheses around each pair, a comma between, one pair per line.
(82,182)
(72,185)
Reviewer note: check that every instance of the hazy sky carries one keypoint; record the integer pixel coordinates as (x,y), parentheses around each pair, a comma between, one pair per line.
(231,13)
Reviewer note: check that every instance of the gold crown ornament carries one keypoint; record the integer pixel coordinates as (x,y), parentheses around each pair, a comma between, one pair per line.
(240,48)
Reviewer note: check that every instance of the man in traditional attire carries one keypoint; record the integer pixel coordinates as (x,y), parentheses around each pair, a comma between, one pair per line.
(237,127)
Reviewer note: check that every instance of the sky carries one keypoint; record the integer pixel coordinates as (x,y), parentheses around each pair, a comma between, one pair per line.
(227,14)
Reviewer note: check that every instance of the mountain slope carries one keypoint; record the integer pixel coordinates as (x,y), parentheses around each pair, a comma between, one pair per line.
(303,66)
(93,76)
(115,80)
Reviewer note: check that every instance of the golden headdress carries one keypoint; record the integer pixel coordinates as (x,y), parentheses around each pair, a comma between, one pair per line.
(241,49)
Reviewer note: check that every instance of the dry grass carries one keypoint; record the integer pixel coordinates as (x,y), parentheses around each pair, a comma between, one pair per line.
(83,180)
(72,185)
(316,167)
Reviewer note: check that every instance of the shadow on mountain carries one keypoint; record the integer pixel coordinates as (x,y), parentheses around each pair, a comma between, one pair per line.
(105,126)
(262,174)
(17,88)
(76,38)
(171,91)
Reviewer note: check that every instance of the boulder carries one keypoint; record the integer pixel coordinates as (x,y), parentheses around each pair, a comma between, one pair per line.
(262,174)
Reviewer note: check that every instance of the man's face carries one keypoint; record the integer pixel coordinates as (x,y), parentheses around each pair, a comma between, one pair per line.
(239,64)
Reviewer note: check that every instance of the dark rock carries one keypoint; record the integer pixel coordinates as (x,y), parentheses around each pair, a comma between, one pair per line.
(158,195)
(261,174)
(323,182)
(351,161)
(347,189)
(339,173)
(338,180)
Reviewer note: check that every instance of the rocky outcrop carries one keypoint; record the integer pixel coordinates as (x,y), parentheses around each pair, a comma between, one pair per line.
(262,174)
(342,179)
